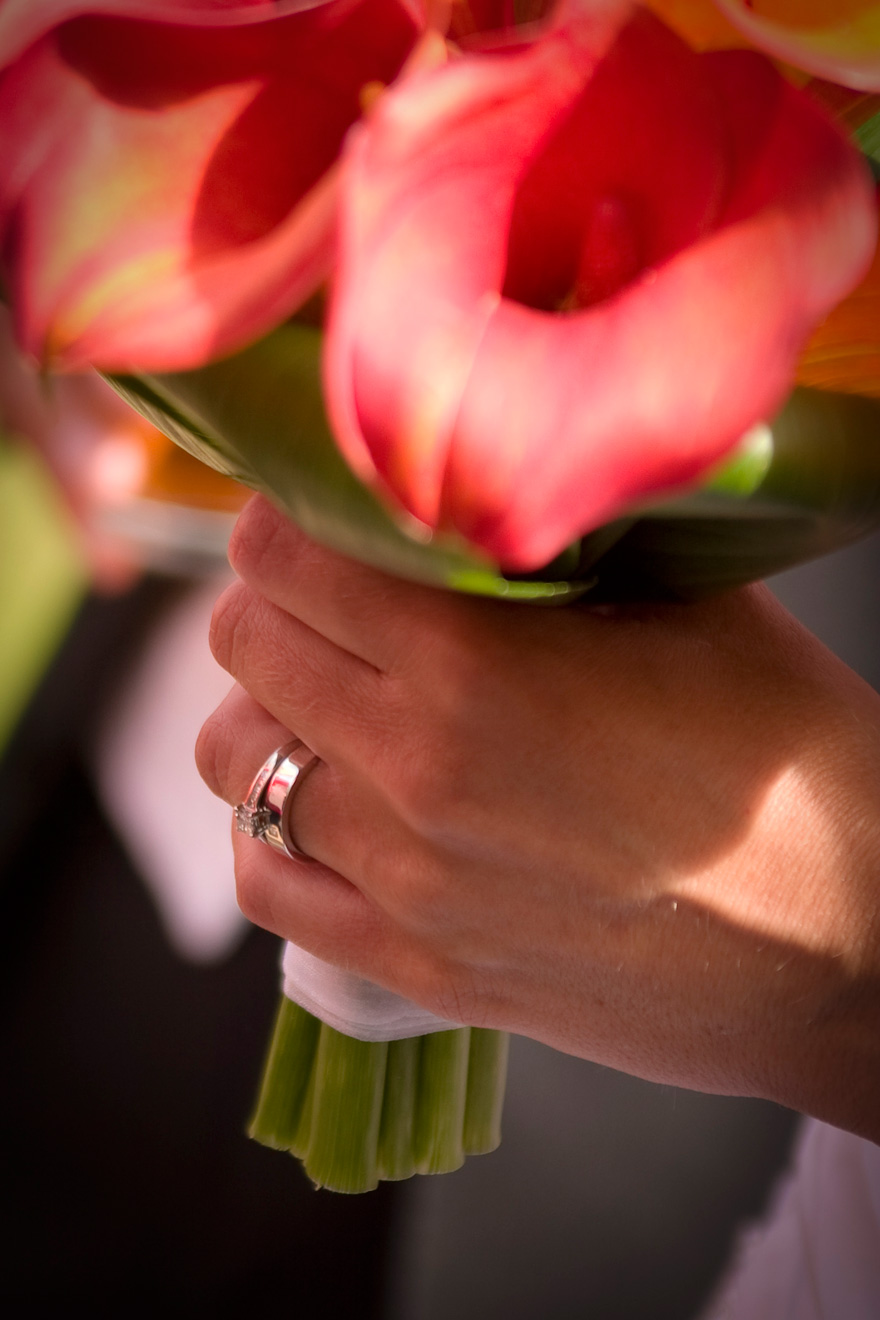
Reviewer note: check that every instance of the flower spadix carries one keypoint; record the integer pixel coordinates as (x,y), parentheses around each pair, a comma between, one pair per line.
(166,167)
(574,272)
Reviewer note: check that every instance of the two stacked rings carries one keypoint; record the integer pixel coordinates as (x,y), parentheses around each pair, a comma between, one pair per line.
(265,813)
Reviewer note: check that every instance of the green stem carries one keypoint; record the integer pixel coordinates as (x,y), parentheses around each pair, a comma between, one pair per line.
(286,1076)
(396,1155)
(355,1112)
(487,1077)
(346,1104)
(443,1069)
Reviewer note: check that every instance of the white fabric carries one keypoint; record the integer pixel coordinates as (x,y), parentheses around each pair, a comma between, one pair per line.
(817,1255)
(176,832)
(352,1005)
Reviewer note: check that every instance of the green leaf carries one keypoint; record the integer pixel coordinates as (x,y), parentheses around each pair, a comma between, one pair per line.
(259,416)
(820,491)
(867,136)
(807,483)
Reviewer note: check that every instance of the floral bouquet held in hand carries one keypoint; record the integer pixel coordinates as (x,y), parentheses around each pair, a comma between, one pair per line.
(580,273)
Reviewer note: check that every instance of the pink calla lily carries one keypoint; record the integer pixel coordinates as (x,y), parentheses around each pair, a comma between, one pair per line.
(24,21)
(167,188)
(834,39)
(573,275)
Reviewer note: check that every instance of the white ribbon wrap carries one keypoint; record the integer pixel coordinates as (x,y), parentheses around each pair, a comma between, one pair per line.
(352,1005)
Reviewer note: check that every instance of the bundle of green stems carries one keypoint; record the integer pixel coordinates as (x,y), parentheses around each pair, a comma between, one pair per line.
(357,1112)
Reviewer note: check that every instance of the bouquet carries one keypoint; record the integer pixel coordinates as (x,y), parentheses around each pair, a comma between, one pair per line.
(535,302)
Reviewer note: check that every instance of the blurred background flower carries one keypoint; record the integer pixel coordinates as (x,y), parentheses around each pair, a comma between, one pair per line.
(166,175)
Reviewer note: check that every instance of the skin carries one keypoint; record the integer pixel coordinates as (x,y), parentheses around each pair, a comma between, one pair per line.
(648,837)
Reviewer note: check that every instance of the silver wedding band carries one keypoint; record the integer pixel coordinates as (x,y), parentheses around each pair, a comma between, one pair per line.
(265,813)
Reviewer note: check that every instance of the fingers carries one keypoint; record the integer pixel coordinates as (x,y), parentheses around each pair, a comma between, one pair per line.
(375,617)
(308,902)
(319,911)
(330,698)
(374,897)
(300,900)
(341,820)
(314,907)
(234,742)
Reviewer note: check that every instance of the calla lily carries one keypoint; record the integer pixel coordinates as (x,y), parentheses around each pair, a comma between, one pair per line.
(24,21)
(167,183)
(834,39)
(843,353)
(699,22)
(571,276)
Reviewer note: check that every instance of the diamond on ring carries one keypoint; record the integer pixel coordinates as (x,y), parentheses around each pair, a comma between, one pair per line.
(253,821)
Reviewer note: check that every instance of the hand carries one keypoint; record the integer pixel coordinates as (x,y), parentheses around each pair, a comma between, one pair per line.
(650,837)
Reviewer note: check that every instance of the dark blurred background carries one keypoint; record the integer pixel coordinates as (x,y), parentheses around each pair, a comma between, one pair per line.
(128,1073)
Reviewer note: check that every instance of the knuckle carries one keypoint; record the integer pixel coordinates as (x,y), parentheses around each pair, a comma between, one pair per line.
(254,544)
(459,660)
(429,767)
(247,638)
(230,612)
(423,897)
(416,898)
(213,755)
(431,784)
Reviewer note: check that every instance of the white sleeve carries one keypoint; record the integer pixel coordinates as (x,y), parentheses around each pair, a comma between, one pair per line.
(816,1256)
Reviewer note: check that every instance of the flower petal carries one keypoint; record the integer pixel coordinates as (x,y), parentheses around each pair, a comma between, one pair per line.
(834,39)
(168,191)
(698,22)
(448,377)
(843,353)
(422,257)
(23,22)
(643,392)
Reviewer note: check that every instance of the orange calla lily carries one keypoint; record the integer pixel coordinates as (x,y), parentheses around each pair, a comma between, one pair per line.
(843,353)
(834,39)
(699,22)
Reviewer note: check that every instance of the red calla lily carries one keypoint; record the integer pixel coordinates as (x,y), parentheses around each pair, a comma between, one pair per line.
(573,274)
(167,189)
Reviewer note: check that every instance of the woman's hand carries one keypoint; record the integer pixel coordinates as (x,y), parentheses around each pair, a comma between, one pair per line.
(648,837)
